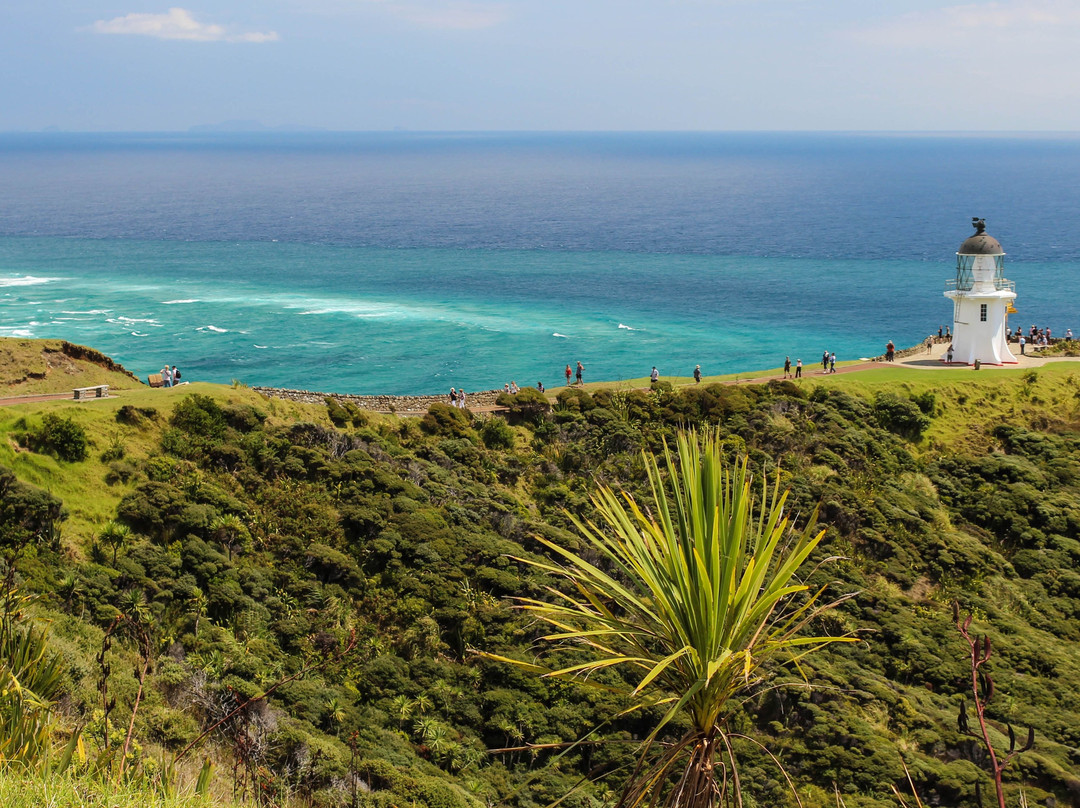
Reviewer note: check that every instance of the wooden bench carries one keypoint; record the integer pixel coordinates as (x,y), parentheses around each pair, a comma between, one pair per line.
(155,380)
(98,390)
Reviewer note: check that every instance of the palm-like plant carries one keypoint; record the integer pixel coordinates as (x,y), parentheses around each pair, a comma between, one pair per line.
(698,598)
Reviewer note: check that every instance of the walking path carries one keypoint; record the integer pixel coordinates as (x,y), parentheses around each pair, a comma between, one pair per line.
(917,359)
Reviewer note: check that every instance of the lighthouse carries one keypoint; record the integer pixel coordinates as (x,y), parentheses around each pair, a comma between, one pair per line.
(981,298)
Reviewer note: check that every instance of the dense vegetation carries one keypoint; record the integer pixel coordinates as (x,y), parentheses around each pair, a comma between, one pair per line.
(378,554)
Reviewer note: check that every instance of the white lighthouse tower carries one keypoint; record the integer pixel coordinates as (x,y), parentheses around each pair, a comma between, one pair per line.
(981,298)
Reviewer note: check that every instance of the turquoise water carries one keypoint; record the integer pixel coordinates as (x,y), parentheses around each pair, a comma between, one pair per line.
(364,320)
(409,263)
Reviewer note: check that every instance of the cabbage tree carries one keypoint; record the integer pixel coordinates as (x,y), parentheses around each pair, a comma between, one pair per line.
(697,598)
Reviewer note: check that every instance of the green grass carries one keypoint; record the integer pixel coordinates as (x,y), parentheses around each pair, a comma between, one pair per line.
(40,366)
(20,790)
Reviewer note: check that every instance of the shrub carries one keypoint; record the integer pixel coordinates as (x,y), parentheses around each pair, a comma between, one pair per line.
(575,400)
(528,405)
(61,437)
(199,415)
(497,434)
(900,415)
(446,421)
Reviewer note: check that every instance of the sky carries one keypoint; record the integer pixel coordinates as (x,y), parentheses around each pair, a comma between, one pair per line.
(599,65)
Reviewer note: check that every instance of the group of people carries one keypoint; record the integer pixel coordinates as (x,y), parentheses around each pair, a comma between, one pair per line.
(170,376)
(828,365)
(457,398)
(569,373)
(1035,336)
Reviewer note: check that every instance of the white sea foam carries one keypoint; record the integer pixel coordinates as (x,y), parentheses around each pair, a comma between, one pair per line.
(26,280)
(137,334)
(561,336)
(177,302)
(92,311)
(214,328)
(260,346)
(628,328)
(16,332)
(134,320)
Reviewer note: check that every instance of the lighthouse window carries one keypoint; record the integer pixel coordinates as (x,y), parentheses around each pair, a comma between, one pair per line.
(982,312)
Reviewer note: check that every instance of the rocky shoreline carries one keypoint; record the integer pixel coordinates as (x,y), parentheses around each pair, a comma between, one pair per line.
(382,403)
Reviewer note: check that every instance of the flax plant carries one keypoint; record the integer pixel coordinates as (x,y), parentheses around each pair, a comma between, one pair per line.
(697,600)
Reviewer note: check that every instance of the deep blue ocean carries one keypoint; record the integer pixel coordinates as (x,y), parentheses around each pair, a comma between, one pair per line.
(407,263)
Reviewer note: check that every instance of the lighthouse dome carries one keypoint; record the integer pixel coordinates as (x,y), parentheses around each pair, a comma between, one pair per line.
(982,243)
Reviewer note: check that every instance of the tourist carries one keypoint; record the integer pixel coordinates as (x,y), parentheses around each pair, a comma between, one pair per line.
(697,375)
(166,376)
(514,388)
(453,397)
(832,363)
(461,399)
(929,344)
(175,375)
(540,386)
(798,368)
(939,332)
(568,372)
(506,388)
(1022,343)
(787,366)
(654,377)
(1068,335)
(825,362)
(580,370)
(948,336)
(890,351)
(948,354)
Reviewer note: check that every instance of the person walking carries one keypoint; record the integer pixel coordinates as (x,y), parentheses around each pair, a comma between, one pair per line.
(787,366)
(825,362)
(798,369)
(654,377)
(697,375)
(948,355)
(580,370)
(461,399)
(832,362)
(1023,342)
(453,397)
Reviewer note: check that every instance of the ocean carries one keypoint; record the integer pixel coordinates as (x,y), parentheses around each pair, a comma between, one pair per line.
(412,263)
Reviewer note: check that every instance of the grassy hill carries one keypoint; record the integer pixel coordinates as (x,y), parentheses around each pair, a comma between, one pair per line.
(263,537)
(39,366)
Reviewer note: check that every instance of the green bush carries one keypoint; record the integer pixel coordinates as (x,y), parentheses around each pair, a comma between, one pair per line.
(497,434)
(447,421)
(61,437)
(900,415)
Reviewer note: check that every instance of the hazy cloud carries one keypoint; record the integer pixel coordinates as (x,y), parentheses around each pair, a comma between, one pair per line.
(177,23)
(1015,19)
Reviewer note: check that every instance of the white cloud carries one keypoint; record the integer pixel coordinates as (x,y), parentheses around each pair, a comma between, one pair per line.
(177,23)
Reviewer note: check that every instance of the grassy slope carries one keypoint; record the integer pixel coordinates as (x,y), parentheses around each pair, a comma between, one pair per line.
(968,406)
(90,501)
(38,366)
